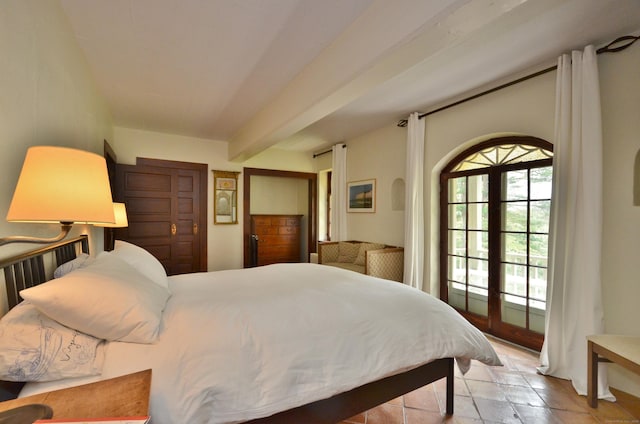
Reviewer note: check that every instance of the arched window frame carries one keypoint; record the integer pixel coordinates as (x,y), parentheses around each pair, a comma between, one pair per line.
(491,168)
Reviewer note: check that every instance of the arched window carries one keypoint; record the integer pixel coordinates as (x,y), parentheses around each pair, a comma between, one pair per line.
(495,206)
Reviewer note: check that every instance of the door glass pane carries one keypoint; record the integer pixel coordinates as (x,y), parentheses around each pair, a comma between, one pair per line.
(538,250)
(458,190)
(457,216)
(514,279)
(540,213)
(514,248)
(457,269)
(541,182)
(478,216)
(479,188)
(479,244)
(514,216)
(515,185)
(538,283)
(457,242)
(478,273)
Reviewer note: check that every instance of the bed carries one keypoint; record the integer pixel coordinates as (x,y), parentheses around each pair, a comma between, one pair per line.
(273,344)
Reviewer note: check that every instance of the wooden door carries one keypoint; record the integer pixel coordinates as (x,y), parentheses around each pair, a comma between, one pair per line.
(165,210)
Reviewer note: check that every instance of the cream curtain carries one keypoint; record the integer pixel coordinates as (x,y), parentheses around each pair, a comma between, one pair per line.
(574,296)
(339,193)
(414,203)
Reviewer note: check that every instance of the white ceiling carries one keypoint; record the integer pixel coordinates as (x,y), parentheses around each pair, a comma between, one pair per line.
(309,73)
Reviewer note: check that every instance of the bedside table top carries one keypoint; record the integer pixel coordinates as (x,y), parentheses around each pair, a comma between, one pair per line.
(123,396)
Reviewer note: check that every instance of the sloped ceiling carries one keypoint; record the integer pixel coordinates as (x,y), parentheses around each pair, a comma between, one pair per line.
(304,74)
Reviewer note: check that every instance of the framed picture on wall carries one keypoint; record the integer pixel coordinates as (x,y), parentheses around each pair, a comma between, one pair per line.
(361,196)
(225,199)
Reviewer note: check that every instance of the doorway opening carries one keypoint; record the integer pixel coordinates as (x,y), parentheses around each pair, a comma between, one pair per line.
(311,210)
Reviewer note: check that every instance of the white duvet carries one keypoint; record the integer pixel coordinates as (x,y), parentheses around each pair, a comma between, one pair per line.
(242,344)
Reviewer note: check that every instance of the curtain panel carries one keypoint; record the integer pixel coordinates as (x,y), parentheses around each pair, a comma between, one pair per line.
(339,193)
(414,203)
(574,294)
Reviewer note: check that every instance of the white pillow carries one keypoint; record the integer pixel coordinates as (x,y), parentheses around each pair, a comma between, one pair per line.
(36,348)
(108,299)
(82,260)
(142,260)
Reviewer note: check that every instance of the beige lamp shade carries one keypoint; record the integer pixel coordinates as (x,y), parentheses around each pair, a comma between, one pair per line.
(59,184)
(120,212)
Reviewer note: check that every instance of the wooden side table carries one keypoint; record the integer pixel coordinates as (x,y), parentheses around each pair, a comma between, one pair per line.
(124,396)
(623,350)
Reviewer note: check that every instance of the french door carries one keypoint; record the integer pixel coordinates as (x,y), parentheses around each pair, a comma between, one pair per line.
(495,207)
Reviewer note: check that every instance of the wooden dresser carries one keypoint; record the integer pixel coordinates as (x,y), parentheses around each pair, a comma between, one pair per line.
(278,238)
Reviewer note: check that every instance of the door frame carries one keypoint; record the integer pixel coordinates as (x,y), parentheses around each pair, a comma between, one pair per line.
(312,209)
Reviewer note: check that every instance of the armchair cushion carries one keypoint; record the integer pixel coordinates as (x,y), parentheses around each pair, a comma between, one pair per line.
(364,247)
(348,252)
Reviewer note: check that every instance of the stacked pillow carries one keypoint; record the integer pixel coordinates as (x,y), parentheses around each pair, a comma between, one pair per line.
(118,296)
(34,347)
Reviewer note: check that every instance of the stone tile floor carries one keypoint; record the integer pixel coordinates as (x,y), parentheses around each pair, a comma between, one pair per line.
(514,393)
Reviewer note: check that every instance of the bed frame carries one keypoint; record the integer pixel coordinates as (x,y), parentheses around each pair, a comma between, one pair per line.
(28,269)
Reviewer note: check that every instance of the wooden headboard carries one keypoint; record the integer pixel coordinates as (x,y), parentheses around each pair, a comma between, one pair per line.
(28,269)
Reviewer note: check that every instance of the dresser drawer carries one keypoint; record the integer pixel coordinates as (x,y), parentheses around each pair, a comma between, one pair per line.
(279,238)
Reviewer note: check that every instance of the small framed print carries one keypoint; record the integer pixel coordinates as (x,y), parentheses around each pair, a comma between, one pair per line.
(225,197)
(361,196)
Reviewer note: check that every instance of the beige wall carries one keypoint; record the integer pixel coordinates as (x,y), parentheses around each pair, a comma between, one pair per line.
(380,155)
(620,100)
(48,98)
(283,160)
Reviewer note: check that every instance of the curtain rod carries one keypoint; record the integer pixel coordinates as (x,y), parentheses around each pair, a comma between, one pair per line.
(626,41)
(315,155)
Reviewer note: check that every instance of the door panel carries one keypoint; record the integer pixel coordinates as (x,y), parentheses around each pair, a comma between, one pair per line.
(163,207)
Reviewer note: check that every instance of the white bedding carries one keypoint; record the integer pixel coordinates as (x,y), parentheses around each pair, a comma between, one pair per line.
(242,344)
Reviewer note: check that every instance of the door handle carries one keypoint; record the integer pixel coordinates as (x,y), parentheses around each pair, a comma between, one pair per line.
(195,229)
(174,229)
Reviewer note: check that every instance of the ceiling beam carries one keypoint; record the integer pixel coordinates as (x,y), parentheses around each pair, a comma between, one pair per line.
(388,39)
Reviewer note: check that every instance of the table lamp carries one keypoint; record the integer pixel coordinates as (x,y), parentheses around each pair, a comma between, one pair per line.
(120,212)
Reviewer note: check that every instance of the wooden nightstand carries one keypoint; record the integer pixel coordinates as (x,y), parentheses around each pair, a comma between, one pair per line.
(123,396)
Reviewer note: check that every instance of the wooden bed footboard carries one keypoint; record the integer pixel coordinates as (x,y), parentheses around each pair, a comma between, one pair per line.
(345,405)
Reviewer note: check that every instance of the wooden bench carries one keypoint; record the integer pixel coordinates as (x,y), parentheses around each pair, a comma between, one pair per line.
(622,350)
